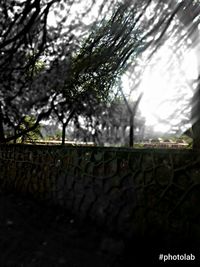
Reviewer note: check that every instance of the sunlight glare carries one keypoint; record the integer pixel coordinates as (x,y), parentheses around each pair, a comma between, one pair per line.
(166,86)
(163,128)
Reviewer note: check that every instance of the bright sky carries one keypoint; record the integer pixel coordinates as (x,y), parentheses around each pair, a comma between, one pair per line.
(166,91)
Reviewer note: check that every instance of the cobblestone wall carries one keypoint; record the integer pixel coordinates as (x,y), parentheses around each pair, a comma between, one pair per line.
(129,191)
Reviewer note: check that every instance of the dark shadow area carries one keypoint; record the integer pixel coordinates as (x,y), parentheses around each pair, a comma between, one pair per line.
(152,251)
(36,234)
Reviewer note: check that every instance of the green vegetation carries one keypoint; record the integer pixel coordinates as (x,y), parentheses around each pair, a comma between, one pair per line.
(31,136)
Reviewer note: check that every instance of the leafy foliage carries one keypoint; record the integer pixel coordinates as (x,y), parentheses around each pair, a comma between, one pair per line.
(68,69)
(30,136)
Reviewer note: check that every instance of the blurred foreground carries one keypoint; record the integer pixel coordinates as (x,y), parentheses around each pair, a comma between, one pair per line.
(35,235)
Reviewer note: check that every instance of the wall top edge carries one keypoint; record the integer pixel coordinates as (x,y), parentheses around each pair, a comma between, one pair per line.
(111,148)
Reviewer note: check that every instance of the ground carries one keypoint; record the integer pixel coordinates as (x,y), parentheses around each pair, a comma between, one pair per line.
(33,234)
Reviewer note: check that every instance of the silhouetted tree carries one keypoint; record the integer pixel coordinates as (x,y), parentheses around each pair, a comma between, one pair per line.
(74,71)
(97,66)
(23,31)
(27,41)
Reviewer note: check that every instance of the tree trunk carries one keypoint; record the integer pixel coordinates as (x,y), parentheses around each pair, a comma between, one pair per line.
(131,133)
(2,134)
(196,118)
(196,135)
(15,133)
(63,133)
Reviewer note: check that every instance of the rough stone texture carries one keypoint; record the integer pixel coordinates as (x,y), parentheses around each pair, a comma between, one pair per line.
(132,192)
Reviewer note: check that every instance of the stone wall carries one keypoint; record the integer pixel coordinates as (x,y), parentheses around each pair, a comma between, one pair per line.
(129,191)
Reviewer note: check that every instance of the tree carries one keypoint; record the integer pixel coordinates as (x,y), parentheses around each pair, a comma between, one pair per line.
(23,33)
(27,39)
(180,20)
(112,121)
(189,17)
(77,72)
(98,65)
(30,136)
